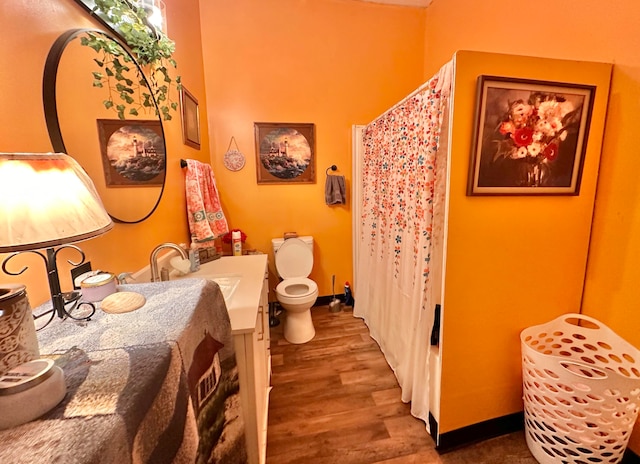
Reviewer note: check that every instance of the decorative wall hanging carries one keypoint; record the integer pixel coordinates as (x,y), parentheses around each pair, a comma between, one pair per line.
(133,152)
(530,137)
(233,158)
(190,119)
(285,153)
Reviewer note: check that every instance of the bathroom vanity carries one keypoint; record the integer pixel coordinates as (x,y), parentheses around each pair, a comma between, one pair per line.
(244,284)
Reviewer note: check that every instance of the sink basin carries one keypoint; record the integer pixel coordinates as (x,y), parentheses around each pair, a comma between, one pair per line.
(228,283)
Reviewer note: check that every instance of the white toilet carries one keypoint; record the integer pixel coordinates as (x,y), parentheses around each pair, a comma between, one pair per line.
(296,293)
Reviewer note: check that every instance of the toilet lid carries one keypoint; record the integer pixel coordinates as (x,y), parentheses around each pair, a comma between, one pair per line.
(294,259)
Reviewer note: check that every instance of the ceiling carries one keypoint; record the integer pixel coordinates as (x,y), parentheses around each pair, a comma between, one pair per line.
(418,3)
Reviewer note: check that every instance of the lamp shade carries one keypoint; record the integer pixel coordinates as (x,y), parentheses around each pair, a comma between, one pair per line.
(47,199)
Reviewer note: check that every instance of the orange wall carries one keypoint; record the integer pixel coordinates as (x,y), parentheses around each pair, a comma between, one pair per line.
(511,262)
(333,63)
(28,31)
(589,30)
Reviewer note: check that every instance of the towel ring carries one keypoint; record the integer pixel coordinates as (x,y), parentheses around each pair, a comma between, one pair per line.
(333,167)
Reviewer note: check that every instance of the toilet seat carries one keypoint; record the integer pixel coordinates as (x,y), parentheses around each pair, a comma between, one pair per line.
(294,259)
(296,288)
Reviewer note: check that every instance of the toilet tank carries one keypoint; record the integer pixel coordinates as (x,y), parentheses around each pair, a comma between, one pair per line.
(276,243)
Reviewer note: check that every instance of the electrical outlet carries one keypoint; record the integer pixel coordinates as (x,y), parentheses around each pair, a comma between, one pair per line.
(79,270)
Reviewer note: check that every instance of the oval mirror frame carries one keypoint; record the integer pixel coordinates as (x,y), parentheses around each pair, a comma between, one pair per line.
(50,104)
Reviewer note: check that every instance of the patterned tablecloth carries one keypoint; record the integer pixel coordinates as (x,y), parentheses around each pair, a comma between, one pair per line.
(156,385)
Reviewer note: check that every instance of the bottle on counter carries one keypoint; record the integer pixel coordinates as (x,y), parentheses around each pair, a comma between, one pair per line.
(236,242)
(194,256)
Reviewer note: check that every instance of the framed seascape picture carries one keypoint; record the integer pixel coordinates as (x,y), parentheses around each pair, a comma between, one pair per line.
(285,153)
(133,152)
(530,137)
(190,119)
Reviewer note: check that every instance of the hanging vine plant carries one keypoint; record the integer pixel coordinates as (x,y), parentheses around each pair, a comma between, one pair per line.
(153,51)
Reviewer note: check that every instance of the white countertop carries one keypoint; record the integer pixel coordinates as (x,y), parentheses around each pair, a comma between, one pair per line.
(243,304)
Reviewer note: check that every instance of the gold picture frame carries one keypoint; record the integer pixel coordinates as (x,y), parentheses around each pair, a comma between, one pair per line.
(285,153)
(190,119)
(133,152)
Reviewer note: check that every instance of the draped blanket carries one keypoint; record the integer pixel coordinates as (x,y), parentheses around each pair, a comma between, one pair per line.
(403,183)
(157,385)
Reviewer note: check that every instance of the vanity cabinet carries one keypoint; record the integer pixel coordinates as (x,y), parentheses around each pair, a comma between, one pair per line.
(253,357)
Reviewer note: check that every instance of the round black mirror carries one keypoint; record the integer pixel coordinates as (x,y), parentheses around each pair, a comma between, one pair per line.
(107,120)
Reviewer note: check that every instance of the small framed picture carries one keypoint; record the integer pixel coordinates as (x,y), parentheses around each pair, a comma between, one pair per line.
(190,119)
(530,137)
(133,152)
(285,153)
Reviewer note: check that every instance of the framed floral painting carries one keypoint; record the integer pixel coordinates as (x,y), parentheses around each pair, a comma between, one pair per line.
(530,137)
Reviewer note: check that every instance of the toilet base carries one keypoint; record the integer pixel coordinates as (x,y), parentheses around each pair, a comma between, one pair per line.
(298,327)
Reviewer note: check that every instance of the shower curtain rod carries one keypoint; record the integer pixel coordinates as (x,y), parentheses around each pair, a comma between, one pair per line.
(422,86)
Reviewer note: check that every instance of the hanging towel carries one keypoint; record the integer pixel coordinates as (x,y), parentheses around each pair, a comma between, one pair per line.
(206,219)
(334,190)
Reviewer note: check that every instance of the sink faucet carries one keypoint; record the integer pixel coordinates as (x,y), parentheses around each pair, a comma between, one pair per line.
(155,277)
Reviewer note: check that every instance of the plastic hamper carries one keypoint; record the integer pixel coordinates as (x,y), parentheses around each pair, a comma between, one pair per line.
(581,385)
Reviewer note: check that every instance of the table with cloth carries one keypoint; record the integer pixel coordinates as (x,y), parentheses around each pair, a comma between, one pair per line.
(155,385)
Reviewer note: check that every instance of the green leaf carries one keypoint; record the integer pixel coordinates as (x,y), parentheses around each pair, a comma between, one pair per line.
(151,48)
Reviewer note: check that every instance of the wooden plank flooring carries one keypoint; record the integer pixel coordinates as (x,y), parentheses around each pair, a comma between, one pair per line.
(335,400)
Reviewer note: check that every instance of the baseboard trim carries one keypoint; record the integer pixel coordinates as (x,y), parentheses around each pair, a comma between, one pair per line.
(433,427)
(478,432)
(490,429)
(630,457)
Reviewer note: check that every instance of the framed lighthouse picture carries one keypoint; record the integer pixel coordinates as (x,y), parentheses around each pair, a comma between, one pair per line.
(285,153)
(133,152)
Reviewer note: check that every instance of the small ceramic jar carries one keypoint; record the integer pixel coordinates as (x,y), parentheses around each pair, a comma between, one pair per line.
(97,287)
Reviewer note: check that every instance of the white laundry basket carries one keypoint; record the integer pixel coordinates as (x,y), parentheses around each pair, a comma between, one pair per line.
(581,385)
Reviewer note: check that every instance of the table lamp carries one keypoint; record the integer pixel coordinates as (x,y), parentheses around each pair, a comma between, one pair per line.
(47,201)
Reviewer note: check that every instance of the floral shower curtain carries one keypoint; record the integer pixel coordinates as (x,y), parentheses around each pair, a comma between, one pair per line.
(400,245)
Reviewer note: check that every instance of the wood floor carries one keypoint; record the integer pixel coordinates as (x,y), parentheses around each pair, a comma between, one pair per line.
(335,400)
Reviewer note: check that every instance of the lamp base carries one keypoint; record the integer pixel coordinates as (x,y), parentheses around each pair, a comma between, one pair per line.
(18,341)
